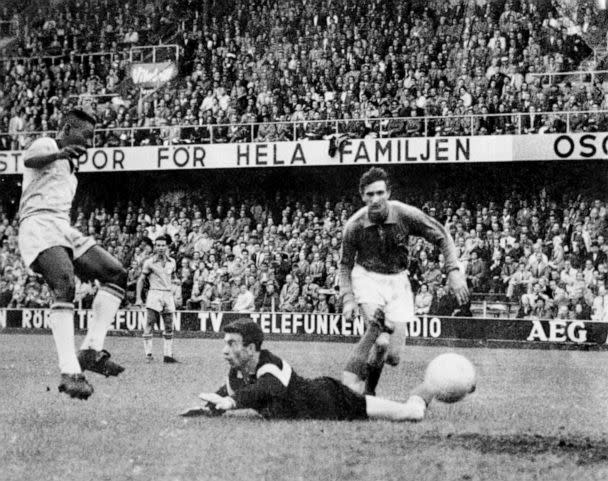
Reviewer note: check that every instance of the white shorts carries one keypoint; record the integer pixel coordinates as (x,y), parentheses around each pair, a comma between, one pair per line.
(392,292)
(39,232)
(160,301)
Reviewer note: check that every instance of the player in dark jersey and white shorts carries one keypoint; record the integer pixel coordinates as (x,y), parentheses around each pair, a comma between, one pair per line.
(262,381)
(374,277)
(51,247)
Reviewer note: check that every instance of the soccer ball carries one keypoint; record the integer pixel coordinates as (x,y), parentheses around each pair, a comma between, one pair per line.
(450,377)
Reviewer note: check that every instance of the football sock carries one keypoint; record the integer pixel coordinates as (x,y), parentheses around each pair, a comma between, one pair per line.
(62,325)
(374,371)
(358,359)
(148,344)
(105,305)
(168,345)
(416,404)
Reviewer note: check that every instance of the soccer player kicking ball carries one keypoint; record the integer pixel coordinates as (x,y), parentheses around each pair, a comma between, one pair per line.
(262,381)
(52,247)
(373,275)
(159,269)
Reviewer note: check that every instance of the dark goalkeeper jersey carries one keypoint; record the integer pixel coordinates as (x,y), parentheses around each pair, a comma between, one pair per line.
(277,392)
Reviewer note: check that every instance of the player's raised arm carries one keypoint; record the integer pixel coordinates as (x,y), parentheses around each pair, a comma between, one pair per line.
(73,140)
(37,158)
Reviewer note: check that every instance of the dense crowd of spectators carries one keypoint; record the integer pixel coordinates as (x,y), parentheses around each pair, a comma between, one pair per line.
(241,254)
(383,68)
(272,62)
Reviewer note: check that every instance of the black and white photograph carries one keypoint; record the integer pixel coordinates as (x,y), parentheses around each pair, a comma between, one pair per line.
(303,240)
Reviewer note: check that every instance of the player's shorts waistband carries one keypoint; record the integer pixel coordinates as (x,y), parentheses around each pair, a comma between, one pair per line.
(381,269)
(43,212)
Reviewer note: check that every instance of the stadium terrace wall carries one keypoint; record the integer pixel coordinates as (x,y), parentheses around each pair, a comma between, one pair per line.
(315,153)
(333,327)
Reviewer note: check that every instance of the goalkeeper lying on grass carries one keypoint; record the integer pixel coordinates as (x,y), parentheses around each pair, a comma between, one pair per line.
(264,382)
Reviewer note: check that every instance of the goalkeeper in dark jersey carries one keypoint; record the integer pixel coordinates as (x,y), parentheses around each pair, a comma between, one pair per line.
(264,382)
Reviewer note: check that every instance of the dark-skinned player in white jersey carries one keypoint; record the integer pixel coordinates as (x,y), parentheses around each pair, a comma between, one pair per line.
(50,246)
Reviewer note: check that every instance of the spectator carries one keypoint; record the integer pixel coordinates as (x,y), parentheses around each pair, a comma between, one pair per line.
(289,294)
(268,300)
(423,300)
(244,301)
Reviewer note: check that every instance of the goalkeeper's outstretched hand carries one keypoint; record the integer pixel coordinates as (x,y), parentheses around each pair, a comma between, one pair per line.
(208,408)
(220,402)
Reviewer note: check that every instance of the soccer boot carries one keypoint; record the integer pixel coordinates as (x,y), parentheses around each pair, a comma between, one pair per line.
(170,360)
(149,358)
(99,362)
(75,386)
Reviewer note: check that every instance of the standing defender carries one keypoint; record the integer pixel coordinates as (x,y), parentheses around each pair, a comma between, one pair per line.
(160,270)
(52,247)
(373,274)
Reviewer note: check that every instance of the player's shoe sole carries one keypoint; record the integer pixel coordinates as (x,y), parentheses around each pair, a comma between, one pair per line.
(76,386)
(170,360)
(99,362)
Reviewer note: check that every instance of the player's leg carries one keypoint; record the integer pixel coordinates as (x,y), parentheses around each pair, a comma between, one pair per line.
(168,338)
(390,343)
(356,369)
(379,352)
(55,265)
(152,317)
(379,408)
(96,263)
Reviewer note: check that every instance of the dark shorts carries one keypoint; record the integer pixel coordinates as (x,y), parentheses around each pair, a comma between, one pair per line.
(333,400)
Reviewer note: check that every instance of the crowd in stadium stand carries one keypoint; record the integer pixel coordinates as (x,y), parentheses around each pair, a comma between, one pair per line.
(272,61)
(241,254)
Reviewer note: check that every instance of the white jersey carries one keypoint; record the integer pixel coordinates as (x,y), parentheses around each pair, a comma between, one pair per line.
(160,273)
(50,189)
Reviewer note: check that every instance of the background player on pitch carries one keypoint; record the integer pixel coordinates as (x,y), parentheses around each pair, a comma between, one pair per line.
(260,380)
(373,275)
(159,270)
(52,247)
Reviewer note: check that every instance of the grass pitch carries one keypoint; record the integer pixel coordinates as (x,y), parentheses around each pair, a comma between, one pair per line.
(535,415)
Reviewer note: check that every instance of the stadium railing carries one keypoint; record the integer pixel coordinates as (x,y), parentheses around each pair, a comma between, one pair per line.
(55,59)
(154,53)
(583,76)
(379,127)
(136,53)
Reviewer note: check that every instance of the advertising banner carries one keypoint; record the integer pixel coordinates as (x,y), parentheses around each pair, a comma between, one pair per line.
(151,75)
(335,327)
(315,153)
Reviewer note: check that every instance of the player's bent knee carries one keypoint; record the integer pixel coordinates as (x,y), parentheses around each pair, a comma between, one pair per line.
(63,287)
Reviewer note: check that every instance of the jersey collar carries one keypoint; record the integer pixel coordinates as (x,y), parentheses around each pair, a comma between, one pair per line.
(391,218)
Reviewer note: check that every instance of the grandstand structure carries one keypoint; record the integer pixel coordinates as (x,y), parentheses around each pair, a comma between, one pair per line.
(491,116)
